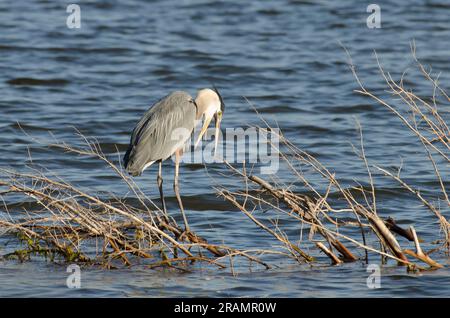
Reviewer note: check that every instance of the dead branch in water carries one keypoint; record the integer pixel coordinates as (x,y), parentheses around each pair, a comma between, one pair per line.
(419,254)
(329,253)
(345,222)
(270,203)
(426,119)
(72,224)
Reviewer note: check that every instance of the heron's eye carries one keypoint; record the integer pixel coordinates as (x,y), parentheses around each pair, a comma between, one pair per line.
(219,113)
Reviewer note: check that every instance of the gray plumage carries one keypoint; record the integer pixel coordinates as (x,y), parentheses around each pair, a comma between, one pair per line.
(156,135)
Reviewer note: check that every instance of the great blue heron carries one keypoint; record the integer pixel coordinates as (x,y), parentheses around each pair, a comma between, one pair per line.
(164,130)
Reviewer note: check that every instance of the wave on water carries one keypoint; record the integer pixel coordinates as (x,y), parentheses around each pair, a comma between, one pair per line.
(28,81)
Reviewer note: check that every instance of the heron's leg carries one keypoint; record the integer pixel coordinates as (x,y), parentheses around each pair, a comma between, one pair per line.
(177,190)
(159,180)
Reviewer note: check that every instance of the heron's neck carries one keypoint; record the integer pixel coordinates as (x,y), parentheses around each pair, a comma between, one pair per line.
(201,108)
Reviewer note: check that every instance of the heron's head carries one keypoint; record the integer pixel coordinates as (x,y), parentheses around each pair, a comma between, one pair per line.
(209,105)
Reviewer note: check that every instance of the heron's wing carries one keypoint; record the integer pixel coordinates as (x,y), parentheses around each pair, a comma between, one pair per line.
(164,128)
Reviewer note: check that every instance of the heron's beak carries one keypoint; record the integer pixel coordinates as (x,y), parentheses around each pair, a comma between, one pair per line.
(203,131)
(217,119)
